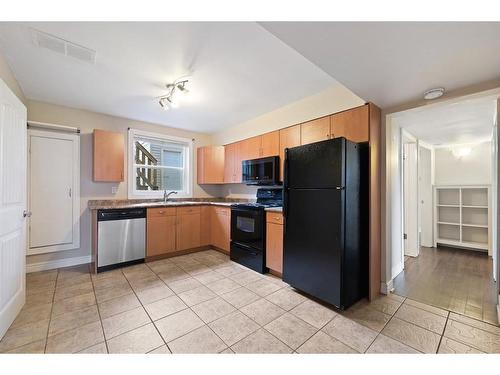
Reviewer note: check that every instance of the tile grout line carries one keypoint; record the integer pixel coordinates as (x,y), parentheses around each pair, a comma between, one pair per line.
(51,309)
(190,308)
(442,334)
(99,313)
(146,311)
(237,309)
(385,325)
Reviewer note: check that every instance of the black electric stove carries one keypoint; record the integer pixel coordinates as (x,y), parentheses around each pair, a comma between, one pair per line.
(248,229)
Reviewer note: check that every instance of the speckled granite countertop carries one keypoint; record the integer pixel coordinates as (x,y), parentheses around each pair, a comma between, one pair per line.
(136,203)
(275,209)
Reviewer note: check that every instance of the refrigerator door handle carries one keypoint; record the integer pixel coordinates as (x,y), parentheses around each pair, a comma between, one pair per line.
(285,184)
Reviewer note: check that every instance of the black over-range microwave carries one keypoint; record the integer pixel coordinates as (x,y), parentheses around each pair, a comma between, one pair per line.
(263,171)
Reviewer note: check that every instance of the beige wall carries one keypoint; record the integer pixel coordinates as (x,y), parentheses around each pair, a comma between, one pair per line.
(87,121)
(8,77)
(334,99)
(475,168)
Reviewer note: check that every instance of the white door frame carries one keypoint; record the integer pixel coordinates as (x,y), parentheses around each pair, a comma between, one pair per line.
(409,176)
(75,190)
(421,145)
(392,243)
(13,191)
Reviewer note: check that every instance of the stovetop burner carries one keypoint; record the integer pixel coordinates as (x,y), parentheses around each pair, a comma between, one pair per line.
(266,197)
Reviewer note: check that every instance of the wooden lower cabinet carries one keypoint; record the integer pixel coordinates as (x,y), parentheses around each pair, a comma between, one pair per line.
(205,226)
(173,229)
(188,228)
(274,242)
(220,231)
(160,231)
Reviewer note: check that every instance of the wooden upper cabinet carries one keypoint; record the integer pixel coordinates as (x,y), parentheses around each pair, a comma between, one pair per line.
(210,165)
(109,156)
(250,148)
(315,130)
(352,124)
(232,163)
(289,137)
(270,144)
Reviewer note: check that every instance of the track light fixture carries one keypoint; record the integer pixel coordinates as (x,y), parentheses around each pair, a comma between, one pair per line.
(176,92)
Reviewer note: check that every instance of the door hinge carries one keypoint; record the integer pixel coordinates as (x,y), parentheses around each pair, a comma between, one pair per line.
(405,236)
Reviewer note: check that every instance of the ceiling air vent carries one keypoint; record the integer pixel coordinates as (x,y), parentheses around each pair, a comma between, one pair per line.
(59,45)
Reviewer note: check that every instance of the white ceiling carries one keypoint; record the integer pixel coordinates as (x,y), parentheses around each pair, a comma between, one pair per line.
(462,122)
(389,63)
(239,70)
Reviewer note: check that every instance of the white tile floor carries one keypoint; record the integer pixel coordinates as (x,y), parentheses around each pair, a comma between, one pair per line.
(204,303)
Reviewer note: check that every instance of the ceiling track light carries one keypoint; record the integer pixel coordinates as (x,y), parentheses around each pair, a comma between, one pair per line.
(175,90)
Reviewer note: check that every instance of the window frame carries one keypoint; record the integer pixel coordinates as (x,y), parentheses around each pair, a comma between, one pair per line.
(131,166)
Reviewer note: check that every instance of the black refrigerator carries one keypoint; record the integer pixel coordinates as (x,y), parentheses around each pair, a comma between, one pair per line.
(325,207)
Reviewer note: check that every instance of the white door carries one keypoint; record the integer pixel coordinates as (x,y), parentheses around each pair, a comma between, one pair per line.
(410,186)
(425,196)
(13,161)
(54,191)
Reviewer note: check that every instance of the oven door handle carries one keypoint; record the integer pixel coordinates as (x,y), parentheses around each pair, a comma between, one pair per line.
(249,212)
(246,247)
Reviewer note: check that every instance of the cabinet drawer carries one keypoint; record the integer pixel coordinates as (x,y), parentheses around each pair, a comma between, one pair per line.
(161,211)
(222,210)
(186,210)
(275,217)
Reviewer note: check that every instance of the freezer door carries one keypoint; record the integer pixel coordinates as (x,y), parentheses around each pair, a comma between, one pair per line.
(317,165)
(313,242)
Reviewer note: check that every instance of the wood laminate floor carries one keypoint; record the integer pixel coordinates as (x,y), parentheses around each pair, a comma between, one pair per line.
(453,279)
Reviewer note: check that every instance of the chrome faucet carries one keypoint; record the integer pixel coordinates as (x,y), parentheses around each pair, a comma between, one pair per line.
(167,195)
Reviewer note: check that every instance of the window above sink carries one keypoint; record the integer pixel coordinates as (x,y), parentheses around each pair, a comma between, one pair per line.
(159,162)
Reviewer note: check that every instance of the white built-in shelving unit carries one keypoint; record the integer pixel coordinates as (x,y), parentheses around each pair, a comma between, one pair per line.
(462,216)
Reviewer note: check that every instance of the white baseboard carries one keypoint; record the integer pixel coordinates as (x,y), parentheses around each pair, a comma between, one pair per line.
(386,288)
(57,263)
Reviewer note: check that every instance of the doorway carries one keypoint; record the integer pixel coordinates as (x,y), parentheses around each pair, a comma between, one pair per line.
(447,200)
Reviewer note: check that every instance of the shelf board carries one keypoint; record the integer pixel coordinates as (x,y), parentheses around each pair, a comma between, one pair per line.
(448,205)
(486,207)
(473,245)
(448,223)
(475,225)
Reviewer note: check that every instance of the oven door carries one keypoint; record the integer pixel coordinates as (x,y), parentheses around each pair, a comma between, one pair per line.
(247,227)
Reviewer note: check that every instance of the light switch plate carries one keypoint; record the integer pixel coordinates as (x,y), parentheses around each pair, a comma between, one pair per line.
(114,190)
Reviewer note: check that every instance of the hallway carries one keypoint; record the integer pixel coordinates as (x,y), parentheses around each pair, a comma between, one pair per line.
(452,279)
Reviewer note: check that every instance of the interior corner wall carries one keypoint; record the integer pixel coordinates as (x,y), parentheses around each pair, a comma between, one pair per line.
(87,121)
(7,75)
(472,169)
(334,99)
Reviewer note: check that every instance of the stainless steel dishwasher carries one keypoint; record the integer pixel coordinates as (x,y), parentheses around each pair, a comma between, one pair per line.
(121,237)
